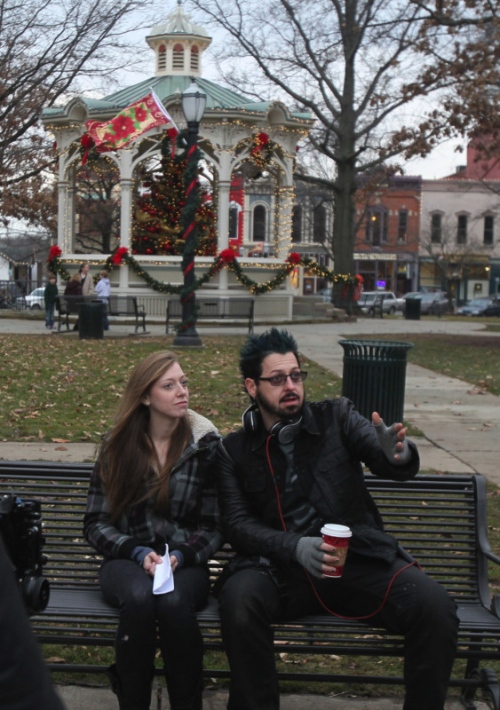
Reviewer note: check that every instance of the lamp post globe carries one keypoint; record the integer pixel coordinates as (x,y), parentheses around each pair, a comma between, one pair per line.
(194,101)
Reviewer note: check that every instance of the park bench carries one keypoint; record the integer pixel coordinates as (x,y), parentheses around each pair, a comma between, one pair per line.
(67,306)
(127,306)
(116,306)
(216,309)
(440,518)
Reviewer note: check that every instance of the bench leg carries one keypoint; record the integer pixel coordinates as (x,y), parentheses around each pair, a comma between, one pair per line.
(487,681)
(143,323)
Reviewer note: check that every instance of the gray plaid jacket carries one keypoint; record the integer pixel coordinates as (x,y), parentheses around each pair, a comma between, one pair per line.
(193,522)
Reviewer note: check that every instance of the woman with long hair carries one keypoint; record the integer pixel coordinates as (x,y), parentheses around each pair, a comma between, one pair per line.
(153,486)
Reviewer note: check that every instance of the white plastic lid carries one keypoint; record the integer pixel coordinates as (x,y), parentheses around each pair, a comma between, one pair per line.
(334,530)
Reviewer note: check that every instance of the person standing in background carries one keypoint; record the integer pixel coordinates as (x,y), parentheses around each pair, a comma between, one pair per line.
(49,298)
(87,280)
(103,290)
(73,290)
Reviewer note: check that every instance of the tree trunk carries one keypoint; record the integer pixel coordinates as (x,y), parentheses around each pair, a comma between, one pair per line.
(343,228)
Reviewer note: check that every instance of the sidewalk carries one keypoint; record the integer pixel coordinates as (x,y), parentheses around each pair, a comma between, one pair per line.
(84,698)
(460,425)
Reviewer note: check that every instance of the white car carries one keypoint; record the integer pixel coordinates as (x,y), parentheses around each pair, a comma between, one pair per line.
(390,302)
(35,300)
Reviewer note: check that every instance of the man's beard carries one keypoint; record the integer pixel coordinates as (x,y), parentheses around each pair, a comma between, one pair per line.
(284,409)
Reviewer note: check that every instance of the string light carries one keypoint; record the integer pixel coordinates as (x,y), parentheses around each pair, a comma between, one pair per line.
(225,259)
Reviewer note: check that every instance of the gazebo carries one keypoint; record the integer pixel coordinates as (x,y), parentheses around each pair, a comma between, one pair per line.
(226,138)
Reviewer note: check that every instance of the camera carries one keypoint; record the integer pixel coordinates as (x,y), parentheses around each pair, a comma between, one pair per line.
(21,529)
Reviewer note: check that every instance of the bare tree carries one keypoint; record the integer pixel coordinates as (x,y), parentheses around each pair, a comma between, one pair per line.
(98,206)
(361,68)
(46,48)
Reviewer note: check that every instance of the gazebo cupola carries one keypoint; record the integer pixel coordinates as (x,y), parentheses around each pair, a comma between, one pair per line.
(178,45)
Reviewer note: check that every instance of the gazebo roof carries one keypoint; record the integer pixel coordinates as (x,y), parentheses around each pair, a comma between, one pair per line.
(170,80)
(169,90)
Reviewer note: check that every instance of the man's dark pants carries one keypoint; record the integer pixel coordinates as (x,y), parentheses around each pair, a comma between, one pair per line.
(417,607)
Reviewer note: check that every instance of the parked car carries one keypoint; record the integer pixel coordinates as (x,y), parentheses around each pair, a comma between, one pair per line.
(34,300)
(494,309)
(476,306)
(390,302)
(433,302)
(412,294)
(325,294)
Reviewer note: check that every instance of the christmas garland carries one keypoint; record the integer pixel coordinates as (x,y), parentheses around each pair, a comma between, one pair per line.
(226,258)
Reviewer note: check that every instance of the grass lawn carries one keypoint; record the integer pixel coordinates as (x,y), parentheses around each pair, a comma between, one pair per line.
(471,358)
(56,389)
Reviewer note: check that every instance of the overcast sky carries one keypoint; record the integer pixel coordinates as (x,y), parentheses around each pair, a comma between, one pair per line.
(441,162)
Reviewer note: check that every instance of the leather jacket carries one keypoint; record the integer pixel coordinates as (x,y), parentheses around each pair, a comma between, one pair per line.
(328,450)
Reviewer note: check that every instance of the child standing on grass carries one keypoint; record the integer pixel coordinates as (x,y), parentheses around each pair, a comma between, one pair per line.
(49,297)
(103,289)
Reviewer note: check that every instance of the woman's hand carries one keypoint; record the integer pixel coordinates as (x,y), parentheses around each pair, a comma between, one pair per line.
(150,561)
(174,562)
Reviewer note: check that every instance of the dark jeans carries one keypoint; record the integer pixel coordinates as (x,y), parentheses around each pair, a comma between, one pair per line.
(126,586)
(417,607)
(49,315)
(25,682)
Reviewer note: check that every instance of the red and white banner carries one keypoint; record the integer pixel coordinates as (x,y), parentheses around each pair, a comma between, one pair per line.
(131,123)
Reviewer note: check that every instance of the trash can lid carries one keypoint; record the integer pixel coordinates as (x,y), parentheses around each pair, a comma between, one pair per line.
(378,349)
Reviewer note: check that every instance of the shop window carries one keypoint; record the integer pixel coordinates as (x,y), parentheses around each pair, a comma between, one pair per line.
(489,230)
(402,225)
(319,224)
(259,224)
(436,228)
(462,229)
(376,226)
(233,223)
(296,224)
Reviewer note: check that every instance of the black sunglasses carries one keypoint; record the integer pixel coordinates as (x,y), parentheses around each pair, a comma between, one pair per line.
(279,380)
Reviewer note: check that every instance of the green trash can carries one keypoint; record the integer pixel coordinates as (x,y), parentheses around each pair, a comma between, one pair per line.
(91,320)
(374,377)
(412,308)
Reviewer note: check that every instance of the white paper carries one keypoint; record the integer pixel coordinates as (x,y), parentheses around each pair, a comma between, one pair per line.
(163,580)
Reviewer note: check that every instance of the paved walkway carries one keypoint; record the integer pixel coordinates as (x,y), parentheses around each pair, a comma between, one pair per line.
(461,433)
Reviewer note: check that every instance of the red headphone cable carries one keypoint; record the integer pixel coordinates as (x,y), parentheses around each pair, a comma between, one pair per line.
(311,582)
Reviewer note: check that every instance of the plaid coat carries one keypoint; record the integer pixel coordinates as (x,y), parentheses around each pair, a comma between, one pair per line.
(193,522)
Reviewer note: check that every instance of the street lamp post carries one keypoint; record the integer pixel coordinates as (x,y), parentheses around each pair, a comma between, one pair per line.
(194,101)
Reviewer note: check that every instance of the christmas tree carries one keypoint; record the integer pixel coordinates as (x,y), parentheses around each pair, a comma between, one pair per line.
(156,228)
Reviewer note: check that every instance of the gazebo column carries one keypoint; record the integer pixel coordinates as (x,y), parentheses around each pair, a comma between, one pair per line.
(224,185)
(125,211)
(285,196)
(62,199)
(71,207)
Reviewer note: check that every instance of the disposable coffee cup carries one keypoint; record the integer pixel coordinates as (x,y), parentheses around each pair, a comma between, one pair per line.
(338,536)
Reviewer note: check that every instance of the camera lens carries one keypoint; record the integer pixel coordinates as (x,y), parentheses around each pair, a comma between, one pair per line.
(36,593)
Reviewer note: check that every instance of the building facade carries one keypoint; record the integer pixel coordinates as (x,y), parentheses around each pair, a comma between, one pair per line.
(460,230)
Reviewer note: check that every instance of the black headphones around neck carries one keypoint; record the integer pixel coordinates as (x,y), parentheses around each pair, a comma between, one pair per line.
(285,431)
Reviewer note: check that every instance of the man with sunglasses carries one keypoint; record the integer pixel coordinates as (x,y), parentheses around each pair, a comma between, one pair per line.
(294,466)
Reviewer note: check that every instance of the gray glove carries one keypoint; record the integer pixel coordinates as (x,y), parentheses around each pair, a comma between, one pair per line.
(309,555)
(388,438)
